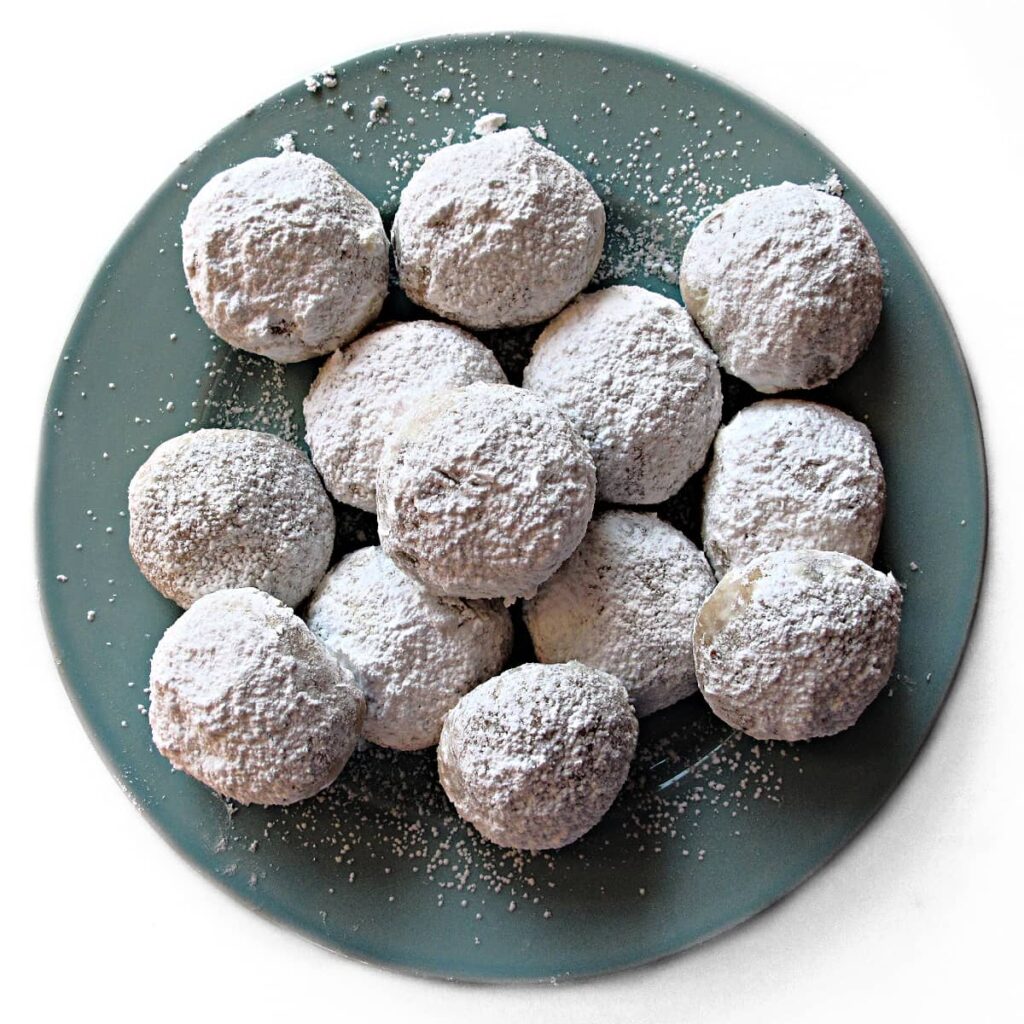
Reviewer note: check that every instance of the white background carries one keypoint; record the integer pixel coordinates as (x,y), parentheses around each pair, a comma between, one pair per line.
(917,919)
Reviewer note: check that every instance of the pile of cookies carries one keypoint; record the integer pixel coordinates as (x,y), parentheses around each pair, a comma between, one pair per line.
(485,493)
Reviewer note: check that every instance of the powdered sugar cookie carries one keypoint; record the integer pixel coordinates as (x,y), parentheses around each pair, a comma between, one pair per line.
(412,654)
(792,474)
(535,757)
(498,232)
(785,284)
(632,373)
(796,644)
(244,698)
(483,492)
(625,602)
(284,257)
(229,508)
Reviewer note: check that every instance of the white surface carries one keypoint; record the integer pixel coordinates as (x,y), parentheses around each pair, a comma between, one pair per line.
(916,919)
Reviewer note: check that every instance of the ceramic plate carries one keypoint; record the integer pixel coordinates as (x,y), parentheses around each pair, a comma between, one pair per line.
(711,827)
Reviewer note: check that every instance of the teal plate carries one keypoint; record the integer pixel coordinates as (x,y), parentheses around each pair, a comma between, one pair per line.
(711,827)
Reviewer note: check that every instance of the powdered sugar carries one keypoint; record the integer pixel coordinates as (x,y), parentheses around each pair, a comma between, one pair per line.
(229,508)
(489,124)
(386,828)
(261,244)
(786,285)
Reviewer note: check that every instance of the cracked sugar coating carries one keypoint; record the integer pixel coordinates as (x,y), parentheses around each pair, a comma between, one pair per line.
(412,654)
(229,508)
(499,232)
(245,699)
(625,602)
(535,757)
(632,373)
(796,644)
(483,492)
(364,388)
(786,285)
(284,257)
(786,473)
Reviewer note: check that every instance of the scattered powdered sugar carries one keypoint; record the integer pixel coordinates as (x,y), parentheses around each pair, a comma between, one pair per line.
(406,841)
(834,186)
(245,391)
(678,185)
(489,123)
(378,110)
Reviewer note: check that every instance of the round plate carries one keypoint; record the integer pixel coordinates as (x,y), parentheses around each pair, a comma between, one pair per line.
(711,827)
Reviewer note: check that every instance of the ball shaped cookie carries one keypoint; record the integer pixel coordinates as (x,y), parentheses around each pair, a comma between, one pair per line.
(412,654)
(245,699)
(365,387)
(786,285)
(796,644)
(498,232)
(483,492)
(535,757)
(625,602)
(284,257)
(636,379)
(229,508)
(792,474)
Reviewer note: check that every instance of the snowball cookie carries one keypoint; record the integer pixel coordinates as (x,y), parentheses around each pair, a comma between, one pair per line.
(632,373)
(365,387)
(625,602)
(284,257)
(796,644)
(792,474)
(483,492)
(498,232)
(244,698)
(412,654)
(786,285)
(229,508)
(534,757)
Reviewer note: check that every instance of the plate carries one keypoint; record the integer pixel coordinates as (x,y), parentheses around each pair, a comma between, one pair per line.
(711,827)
